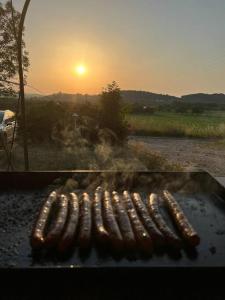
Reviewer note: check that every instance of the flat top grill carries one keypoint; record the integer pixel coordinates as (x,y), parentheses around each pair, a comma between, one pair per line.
(200,195)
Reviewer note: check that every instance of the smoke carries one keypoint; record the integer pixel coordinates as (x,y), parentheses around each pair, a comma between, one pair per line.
(122,162)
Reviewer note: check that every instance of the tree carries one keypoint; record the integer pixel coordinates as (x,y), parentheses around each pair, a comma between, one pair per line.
(112,113)
(14,59)
(9,49)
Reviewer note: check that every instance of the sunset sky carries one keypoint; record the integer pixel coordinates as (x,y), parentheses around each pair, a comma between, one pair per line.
(163,46)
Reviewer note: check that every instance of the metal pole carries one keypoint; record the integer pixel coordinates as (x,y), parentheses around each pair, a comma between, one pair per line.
(21,78)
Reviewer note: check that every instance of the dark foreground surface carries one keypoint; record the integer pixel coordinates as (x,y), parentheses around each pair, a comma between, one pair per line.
(113,286)
(197,274)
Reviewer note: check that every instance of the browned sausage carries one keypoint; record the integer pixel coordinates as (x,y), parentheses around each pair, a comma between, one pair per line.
(143,239)
(124,222)
(84,237)
(58,223)
(68,236)
(156,235)
(37,237)
(186,229)
(115,237)
(171,238)
(100,230)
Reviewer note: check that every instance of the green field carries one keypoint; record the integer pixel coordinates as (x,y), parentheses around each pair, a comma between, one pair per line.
(207,125)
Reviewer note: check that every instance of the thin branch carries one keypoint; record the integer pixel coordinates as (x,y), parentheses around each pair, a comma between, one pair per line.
(9,82)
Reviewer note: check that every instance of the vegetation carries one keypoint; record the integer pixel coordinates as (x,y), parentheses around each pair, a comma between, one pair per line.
(44,118)
(207,125)
(47,121)
(93,138)
(112,114)
(9,63)
(48,115)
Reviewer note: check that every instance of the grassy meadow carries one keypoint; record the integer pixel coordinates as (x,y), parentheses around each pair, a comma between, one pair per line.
(207,125)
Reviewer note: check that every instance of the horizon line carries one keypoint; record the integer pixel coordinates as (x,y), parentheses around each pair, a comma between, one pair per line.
(125,90)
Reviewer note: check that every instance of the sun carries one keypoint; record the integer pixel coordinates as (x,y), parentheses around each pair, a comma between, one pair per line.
(80,70)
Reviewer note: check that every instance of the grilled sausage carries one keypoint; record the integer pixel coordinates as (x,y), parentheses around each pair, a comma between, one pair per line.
(84,237)
(171,238)
(37,237)
(68,236)
(186,229)
(100,231)
(154,233)
(143,239)
(124,222)
(58,223)
(115,237)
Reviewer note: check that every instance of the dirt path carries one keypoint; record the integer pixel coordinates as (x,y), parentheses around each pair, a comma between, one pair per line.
(190,153)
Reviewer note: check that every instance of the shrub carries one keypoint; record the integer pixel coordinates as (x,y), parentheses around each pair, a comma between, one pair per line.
(45,117)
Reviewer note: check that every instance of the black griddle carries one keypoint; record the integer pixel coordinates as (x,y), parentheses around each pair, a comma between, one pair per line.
(200,195)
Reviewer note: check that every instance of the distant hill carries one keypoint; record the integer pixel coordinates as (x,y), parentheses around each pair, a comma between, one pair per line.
(29,95)
(129,96)
(204,98)
(136,97)
(147,98)
(64,97)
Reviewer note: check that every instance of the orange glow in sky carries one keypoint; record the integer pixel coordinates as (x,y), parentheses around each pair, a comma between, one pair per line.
(169,47)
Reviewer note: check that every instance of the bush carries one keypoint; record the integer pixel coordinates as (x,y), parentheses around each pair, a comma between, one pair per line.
(43,118)
(47,121)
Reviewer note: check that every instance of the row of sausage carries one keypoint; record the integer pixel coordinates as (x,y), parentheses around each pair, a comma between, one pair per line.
(117,221)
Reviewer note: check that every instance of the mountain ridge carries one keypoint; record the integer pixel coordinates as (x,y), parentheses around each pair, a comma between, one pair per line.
(139,97)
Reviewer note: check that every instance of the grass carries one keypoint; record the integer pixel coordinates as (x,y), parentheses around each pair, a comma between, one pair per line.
(208,125)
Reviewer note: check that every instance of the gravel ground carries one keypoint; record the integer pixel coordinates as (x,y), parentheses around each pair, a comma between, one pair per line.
(192,154)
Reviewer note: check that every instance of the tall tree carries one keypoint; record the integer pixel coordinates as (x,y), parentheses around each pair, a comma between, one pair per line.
(112,113)
(14,59)
(9,64)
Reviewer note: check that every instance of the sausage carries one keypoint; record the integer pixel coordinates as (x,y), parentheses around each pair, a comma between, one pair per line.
(142,236)
(84,237)
(186,229)
(58,223)
(37,237)
(171,238)
(124,222)
(154,233)
(101,233)
(68,236)
(115,236)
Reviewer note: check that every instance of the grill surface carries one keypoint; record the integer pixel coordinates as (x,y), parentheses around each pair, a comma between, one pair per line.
(200,195)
